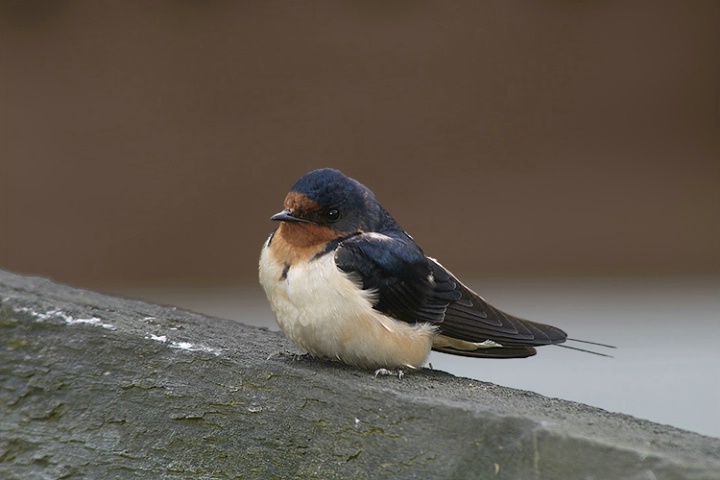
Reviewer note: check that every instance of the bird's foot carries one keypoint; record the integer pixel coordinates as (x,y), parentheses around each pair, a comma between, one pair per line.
(384,371)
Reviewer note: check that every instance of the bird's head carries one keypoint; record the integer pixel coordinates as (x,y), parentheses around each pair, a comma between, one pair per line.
(328,199)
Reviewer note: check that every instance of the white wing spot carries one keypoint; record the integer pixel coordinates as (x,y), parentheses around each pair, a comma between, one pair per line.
(377,236)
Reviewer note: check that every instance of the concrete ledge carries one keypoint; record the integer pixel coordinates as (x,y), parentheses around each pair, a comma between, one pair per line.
(93,386)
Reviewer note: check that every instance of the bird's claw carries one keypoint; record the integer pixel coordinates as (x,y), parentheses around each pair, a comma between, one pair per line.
(384,371)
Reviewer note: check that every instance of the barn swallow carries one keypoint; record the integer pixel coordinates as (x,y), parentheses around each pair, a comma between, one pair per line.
(346,282)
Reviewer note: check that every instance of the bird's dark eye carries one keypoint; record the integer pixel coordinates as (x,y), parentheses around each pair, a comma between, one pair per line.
(333,214)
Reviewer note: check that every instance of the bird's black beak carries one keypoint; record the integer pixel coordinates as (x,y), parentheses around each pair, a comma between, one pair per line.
(286,216)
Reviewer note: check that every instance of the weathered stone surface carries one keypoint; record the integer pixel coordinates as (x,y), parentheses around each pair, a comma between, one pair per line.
(93,386)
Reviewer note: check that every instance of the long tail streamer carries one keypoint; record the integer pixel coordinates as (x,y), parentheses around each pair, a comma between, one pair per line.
(588,343)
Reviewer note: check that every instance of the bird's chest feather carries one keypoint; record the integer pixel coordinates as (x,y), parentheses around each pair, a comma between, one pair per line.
(310,296)
(323,310)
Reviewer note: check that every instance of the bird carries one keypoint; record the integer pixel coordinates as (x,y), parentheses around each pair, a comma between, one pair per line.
(347,283)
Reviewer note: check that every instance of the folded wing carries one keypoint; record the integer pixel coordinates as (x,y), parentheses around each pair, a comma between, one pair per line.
(414,288)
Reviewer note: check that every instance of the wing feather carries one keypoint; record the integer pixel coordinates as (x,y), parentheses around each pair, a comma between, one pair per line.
(414,288)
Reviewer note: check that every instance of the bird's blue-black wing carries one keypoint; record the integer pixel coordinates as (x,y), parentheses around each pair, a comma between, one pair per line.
(403,277)
(473,319)
(414,288)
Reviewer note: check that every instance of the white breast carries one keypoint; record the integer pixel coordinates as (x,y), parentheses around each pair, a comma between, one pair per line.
(323,311)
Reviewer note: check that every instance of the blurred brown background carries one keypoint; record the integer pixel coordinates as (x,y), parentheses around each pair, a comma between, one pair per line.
(149,142)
